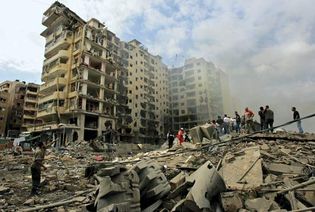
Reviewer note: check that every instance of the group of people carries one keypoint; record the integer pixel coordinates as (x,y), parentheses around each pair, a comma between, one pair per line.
(266,118)
(227,124)
(182,136)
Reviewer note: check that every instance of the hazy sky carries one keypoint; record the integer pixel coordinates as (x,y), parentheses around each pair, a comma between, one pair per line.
(266,46)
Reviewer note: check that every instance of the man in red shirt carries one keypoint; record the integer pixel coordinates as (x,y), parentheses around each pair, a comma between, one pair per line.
(249,115)
(180,135)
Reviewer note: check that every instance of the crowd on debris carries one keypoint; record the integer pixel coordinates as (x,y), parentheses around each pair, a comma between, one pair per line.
(237,124)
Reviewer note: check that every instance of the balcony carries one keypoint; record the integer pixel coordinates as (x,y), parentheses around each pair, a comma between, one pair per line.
(50,18)
(31,100)
(55,95)
(55,71)
(50,111)
(53,85)
(61,54)
(28,117)
(30,108)
(53,47)
(31,92)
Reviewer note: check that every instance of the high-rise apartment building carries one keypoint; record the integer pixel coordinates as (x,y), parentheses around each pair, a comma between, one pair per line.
(197,93)
(29,120)
(18,106)
(147,93)
(84,76)
(4,99)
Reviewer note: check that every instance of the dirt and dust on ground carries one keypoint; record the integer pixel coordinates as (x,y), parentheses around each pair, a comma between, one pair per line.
(262,172)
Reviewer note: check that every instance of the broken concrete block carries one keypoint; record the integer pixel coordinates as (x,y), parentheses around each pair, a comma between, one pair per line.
(258,204)
(226,137)
(207,183)
(246,166)
(118,193)
(153,184)
(278,168)
(196,134)
(231,201)
(177,180)
(208,131)
(111,171)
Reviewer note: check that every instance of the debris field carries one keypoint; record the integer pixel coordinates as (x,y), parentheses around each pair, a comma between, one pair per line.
(262,172)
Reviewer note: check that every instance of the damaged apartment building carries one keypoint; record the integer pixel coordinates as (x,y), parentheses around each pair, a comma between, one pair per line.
(18,107)
(88,76)
(199,93)
(148,93)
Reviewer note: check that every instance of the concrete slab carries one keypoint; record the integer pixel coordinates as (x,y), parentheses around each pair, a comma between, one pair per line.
(232,171)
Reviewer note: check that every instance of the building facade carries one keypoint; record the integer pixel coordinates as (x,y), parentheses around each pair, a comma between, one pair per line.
(147,93)
(30,107)
(4,103)
(84,75)
(18,106)
(196,93)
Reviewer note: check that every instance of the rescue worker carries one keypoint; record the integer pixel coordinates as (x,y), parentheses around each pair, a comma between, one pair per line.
(180,135)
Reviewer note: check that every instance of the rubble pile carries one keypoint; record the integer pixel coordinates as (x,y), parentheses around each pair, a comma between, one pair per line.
(263,172)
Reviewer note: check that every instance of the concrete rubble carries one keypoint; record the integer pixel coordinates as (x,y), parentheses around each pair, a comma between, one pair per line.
(263,172)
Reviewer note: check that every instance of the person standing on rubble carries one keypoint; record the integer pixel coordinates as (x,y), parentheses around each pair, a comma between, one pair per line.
(170,138)
(296,116)
(237,122)
(226,124)
(220,124)
(36,167)
(249,122)
(180,136)
(269,118)
(261,114)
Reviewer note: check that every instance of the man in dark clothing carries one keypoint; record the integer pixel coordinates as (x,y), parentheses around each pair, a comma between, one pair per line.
(170,137)
(36,167)
(238,122)
(261,114)
(220,124)
(296,116)
(269,118)
(109,135)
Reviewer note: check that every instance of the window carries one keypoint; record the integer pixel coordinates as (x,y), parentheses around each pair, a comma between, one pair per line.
(130,91)
(136,114)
